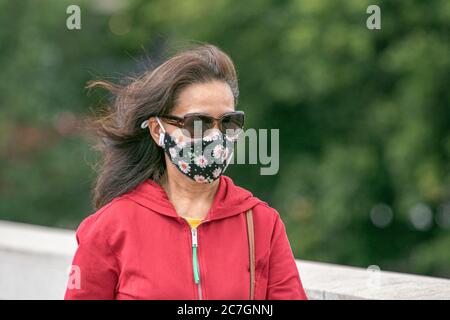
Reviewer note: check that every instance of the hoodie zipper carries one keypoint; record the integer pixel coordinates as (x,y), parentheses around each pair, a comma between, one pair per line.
(195,262)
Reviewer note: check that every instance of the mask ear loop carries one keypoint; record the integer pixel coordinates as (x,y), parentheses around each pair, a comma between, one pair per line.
(229,160)
(161,136)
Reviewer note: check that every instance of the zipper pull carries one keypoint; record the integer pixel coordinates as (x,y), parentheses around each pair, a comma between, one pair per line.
(194,237)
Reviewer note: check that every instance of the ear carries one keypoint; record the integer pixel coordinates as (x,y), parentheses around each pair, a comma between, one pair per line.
(155,130)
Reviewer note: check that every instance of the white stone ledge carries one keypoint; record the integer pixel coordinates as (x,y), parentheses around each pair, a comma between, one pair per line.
(36,239)
(34,261)
(331,282)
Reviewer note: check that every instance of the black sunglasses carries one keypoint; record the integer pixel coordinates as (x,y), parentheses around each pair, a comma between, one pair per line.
(231,123)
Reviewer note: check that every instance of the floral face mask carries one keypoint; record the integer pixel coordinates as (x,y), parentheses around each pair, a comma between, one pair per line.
(203,160)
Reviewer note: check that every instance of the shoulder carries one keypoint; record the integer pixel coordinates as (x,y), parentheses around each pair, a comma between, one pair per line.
(268,228)
(261,209)
(109,218)
(265,215)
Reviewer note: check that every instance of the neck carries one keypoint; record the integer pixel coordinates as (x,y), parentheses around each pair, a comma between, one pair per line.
(189,198)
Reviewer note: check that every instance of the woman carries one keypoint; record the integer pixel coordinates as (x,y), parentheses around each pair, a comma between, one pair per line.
(169,224)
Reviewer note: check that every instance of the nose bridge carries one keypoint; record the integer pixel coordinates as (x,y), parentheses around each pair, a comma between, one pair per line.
(216,124)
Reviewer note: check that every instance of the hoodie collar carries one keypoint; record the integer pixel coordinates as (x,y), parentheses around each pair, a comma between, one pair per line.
(229,199)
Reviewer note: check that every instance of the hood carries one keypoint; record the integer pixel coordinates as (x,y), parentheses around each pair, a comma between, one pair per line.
(229,199)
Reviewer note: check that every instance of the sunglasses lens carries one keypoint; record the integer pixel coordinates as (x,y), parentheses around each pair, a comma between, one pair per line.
(196,125)
(233,123)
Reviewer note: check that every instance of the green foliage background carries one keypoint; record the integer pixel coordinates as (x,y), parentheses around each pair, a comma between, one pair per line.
(364,115)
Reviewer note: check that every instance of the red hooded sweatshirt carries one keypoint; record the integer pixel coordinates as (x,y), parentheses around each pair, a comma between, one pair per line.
(138,247)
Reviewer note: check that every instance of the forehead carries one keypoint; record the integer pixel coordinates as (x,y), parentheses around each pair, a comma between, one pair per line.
(214,98)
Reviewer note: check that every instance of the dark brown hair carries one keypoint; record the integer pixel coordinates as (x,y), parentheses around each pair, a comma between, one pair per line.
(128,153)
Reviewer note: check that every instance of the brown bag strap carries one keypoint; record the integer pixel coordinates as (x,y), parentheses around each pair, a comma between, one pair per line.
(251,246)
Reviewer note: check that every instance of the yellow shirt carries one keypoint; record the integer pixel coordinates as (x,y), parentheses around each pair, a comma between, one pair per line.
(193,222)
